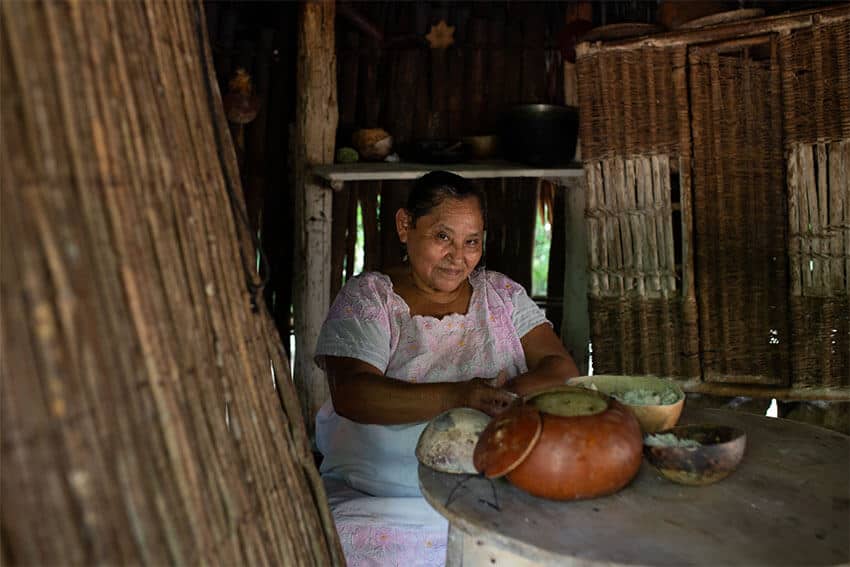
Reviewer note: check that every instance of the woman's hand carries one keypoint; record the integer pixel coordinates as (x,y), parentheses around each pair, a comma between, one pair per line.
(363,394)
(488,394)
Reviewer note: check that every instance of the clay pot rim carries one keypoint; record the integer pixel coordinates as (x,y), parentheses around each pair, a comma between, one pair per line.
(610,401)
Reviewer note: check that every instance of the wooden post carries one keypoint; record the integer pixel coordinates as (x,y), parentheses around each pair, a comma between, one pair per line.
(575,328)
(316,117)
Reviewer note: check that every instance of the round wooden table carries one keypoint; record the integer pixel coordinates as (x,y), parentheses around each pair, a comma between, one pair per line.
(788,503)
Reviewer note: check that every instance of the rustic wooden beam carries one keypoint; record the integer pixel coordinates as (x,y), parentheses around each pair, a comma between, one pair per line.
(773,24)
(575,327)
(316,117)
(491,169)
(697,386)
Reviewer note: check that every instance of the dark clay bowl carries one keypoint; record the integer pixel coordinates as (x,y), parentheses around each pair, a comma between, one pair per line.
(719,453)
(541,135)
(437,151)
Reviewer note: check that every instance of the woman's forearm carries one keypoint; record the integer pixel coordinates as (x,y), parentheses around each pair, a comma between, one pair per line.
(369,398)
(361,393)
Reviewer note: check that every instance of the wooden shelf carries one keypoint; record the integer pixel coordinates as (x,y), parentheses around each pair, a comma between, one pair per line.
(336,175)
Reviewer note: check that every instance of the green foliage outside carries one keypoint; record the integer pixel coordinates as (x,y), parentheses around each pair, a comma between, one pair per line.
(540,261)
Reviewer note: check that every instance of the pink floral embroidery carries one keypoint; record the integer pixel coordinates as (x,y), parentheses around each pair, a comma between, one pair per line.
(480,343)
(367,546)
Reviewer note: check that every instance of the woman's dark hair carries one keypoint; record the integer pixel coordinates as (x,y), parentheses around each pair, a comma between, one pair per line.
(435,187)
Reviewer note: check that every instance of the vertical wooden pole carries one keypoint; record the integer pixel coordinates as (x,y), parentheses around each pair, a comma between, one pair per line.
(316,117)
(575,327)
(691,364)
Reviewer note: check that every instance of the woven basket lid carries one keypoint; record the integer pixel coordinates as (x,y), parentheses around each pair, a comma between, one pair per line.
(507,440)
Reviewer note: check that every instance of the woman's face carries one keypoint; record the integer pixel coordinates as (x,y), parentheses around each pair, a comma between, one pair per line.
(445,245)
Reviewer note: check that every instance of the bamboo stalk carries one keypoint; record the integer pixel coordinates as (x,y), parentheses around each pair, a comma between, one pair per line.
(660,201)
(620,188)
(636,218)
(841,172)
(690,365)
(664,162)
(795,226)
(593,228)
(612,227)
(648,218)
(812,284)
(823,235)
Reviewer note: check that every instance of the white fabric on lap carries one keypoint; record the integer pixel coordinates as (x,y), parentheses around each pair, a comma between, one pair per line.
(386,531)
(376,459)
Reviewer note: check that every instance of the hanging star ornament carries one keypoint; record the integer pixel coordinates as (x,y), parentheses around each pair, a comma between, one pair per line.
(441,35)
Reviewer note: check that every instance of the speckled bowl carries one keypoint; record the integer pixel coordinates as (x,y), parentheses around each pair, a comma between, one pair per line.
(719,453)
(448,441)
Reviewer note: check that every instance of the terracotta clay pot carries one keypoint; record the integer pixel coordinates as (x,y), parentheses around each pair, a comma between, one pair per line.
(589,445)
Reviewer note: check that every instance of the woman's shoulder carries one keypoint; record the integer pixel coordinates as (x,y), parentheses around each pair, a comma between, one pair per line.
(496,282)
(367,283)
(366,292)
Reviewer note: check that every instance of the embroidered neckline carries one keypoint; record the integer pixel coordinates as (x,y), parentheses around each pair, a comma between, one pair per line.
(475,279)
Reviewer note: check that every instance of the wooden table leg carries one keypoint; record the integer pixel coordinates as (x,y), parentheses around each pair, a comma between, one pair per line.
(465,550)
(454,547)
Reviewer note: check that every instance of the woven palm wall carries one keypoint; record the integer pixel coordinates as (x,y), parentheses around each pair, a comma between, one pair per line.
(740,215)
(643,317)
(816,123)
(718,201)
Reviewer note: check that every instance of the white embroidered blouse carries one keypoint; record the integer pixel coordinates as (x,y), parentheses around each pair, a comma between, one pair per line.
(372,323)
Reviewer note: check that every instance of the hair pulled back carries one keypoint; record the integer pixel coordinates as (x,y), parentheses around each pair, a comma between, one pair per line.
(435,187)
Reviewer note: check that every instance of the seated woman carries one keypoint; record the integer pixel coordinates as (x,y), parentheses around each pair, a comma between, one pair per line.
(437,333)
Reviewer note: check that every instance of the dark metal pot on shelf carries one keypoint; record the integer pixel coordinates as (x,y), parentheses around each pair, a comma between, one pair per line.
(542,135)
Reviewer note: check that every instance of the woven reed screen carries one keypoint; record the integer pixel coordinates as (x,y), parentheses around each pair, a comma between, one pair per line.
(628,105)
(816,89)
(751,122)
(741,256)
(631,140)
(816,82)
(635,294)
